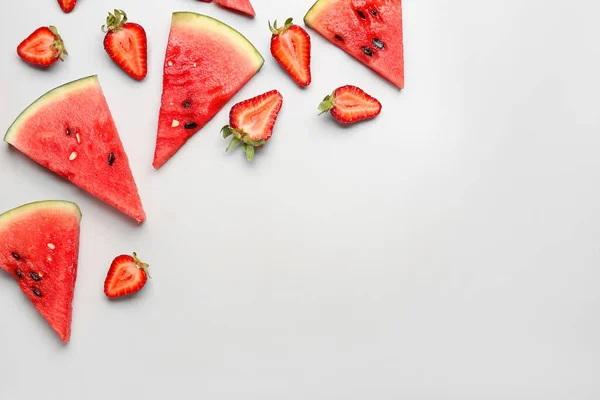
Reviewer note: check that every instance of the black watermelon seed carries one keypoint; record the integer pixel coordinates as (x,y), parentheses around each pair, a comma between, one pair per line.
(111,159)
(37,292)
(35,276)
(15,255)
(190,125)
(68,131)
(19,274)
(361,14)
(368,51)
(378,43)
(187,103)
(338,37)
(374,12)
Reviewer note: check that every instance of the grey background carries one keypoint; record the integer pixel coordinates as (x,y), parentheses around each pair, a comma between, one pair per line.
(447,250)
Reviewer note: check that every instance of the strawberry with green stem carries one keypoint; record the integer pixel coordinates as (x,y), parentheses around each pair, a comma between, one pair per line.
(126,43)
(43,47)
(349,104)
(290,46)
(127,275)
(251,122)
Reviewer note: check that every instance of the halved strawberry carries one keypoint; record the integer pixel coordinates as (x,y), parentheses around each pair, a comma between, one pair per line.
(127,275)
(251,122)
(67,5)
(43,47)
(242,6)
(126,43)
(290,46)
(349,104)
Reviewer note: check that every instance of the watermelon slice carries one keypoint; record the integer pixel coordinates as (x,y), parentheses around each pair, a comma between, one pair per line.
(206,63)
(70,131)
(39,247)
(368,30)
(242,6)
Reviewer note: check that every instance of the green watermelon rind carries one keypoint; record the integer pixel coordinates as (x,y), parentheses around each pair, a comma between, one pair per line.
(204,22)
(314,10)
(46,99)
(25,209)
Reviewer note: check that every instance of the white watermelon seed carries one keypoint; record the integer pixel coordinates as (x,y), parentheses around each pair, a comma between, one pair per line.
(51,246)
(175,123)
(78,138)
(170,64)
(195,65)
(73,156)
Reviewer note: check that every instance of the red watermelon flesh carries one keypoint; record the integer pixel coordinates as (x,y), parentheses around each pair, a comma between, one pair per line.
(242,6)
(206,63)
(70,131)
(368,30)
(39,247)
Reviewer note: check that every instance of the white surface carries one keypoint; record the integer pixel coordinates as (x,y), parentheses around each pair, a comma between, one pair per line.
(447,250)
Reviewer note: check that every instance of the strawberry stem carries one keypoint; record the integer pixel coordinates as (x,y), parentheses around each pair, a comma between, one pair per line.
(276,30)
(139,264)
(115,22)
(327,104)
(58,44)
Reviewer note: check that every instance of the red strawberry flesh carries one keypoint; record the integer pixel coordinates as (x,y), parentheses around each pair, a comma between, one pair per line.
(67,5)
(290,46)
(350,104)
(126,43)
(251,122)
(43,47)
(127,275)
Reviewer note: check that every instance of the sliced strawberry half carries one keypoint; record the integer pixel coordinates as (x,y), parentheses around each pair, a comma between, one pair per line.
(242,6)
(349,104)
(67,5)
(126,43)
(290,46)
(127,275)
(251,122)
(43,47)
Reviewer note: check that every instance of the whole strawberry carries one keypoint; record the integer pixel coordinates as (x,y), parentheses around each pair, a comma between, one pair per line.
(126,43)
(349,104)
(127,275)
(290,46)
(251,122)
(67,5)
(43,47)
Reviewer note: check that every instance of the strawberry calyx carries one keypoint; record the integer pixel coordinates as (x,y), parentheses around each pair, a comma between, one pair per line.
(279,30)
(115,21)
(139,264)
(58,44)
(327,104)
(240,137)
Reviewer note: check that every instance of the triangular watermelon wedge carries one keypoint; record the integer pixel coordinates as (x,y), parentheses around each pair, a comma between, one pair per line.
(368,30)
(242,6)
(39,247)
(70,131)
(206,63)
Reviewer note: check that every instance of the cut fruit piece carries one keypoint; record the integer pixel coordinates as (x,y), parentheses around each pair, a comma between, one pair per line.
(251,122)
(242,6)
(43,47)
(127,275)
(290,46)
(206,63)
(126,44)
(350,104)
(70,131)
(67,5)
(39,247)
(368,30)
